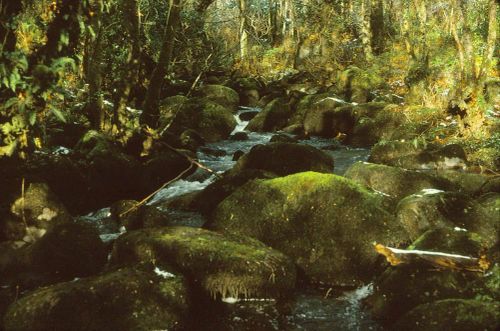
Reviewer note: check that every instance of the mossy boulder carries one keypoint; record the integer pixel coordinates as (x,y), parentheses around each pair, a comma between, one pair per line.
(374,126)
(211,120)
(304,104)
(327,118)
(168,108)
(325,222)
(429,209)
(132,216)
(273,117)
(491,203)
(248,115)
(126,299)
(452,314)
(400,289)
(223,266)
(36,211)
(356,84)
(412,155)
(393,181)
(66,251)
(285,158)
(223,95)
(468,183)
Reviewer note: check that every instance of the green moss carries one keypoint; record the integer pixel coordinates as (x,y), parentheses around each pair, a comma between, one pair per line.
(222,265)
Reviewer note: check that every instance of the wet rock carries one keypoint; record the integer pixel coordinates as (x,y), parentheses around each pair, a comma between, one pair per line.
(237,155)
(401,288)
(223,95)
(273,117)
(468,183)
(326,223)
(452,314)
(128,214)
(37,211)
(208,199)
(239,136)
(282,138)
(66,251)
(224,266)
(304,104)
(213,151)
(395,182)
(248,115)
(491,203)
(211,120)
(327,118)
(285,158)
(126,299)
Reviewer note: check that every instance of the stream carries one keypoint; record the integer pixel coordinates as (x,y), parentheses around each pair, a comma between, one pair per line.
(313,309)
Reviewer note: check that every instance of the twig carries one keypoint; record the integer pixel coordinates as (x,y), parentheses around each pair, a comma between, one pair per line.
(143,201)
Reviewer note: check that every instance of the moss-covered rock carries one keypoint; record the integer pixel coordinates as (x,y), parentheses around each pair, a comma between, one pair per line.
(356,84)
(400,289)
(327,118)
(304,104)
(429,209)
(412,155)
(491,202)
(326,223)
(126,299)
(37,211)
(223,95)
(248,115)
(468,183)
(374,124)
(452,314)
(224,266)
(66,251)
(273,117)
(395,182)
(285,158)
(128,214)
(211,120)
(168,108)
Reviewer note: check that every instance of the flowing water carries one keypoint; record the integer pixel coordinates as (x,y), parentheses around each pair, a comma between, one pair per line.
(312,309)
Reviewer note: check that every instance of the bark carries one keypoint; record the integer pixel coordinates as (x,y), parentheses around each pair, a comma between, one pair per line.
(150,109)
(366,33)
(130,73)
(438,259)
(243,34)
(490,44)
(377,26)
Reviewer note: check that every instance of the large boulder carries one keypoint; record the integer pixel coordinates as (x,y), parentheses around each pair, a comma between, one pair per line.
(36,210)
(327,118)
(325,222)
(356,84)
(273,117)
(126,299)
(378,121)
(66,251)
(133,216)
(223,95)
(304,104)
(395,182)
(168,108)
(411,155)
(211,120)
(399,289)
(223,266)
(429,209)
(285,158)
(452,314)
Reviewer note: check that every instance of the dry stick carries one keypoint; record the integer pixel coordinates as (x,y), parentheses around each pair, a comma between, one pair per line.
(23,216)
(143,201)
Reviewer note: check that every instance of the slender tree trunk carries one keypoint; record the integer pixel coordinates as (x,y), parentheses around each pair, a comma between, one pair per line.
(132,24)
(243,34)
(490,44)
(8,11)
(377,25)
(150,109)
(366,33)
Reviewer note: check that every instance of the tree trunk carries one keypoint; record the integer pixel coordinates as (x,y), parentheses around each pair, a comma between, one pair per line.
(149,115)
(8,11)
(377,26)
(243,34)
(128,79)
(366,32)
(490,44)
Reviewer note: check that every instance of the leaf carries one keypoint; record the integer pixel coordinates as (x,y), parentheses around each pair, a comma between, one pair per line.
(32,118)
(9,149)
(57,113)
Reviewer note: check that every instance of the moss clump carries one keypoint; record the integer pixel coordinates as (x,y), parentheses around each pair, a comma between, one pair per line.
(223,95)
(452,314)
(126,299)
(222,265)
(273,117)
(326,223)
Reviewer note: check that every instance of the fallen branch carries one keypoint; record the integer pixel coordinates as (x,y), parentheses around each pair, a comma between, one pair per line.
(444,260)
